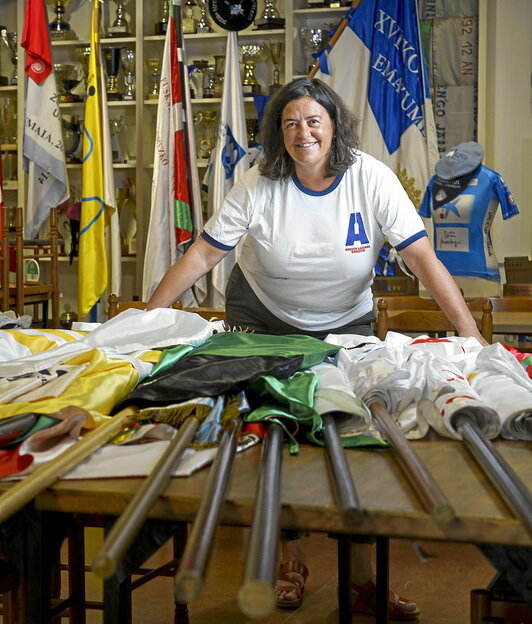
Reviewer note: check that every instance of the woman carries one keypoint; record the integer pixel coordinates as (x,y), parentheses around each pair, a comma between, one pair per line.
(312,216)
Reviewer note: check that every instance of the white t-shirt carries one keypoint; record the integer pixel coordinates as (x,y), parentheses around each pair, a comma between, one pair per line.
(310,256)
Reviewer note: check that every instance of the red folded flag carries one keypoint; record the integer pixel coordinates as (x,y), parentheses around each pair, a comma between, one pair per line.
(36,42)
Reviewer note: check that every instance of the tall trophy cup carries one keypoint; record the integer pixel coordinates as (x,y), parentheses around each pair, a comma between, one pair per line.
(68,75)
(315,39)
(59,28)
(112,65)
(275,50)
(154,67)
(204,25)
(71,137)
(270,18)
(120,27)
(127,58)
(162,25)
(10,40)
(219,70)
(251,54)
(116,149)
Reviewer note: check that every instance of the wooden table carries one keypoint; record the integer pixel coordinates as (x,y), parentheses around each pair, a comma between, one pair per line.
(391,507)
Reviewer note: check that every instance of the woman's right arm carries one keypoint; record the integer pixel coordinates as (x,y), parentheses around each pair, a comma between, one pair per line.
(198,260)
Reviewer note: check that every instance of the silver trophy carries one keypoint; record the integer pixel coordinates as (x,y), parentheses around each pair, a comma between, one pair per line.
(315,39)
(10,40)
(116,125)
(270,18)
(71,127)
(204,24)
(275,50)
(127,58)
(251,54)
(120,26)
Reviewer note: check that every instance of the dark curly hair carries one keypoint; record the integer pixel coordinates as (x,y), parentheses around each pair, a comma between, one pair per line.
(276,163)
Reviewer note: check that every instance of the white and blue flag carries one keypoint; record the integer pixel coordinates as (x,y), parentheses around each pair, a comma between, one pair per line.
(230,157)
(377,67)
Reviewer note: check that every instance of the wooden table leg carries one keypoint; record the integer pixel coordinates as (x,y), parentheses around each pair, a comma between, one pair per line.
(383,550)
(345,604)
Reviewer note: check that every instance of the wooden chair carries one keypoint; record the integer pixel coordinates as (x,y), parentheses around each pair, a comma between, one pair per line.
(4,261)
(28,293)
(412,314)
(116,306)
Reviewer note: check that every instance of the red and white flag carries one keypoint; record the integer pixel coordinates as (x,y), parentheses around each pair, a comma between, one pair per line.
(43,150)
(176,215)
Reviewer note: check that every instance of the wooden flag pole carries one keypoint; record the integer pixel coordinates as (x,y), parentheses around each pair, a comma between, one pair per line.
(256,596)
(190,574)
(339,30)
(429,492)
(129,523)
(342,481)
(511,489)
(26,490)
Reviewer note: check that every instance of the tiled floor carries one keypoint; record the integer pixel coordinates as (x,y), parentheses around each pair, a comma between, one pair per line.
(437,575)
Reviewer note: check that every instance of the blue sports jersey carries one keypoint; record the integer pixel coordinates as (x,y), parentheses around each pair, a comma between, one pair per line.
(462,238)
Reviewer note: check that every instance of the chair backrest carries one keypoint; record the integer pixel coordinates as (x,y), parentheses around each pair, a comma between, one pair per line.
(38,250)
(421,315)
(511,304)
(4,260)
(116,306)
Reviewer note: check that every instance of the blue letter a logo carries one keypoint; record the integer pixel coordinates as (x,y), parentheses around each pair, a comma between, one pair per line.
(356,231)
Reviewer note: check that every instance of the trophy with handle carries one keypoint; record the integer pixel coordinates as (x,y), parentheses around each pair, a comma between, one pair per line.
(315,39)
(59,28)
(10,40)
(251,54)
(275,50)
(127,58)
(120,26)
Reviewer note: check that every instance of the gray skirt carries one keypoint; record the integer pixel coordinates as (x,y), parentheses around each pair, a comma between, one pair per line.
(245,311)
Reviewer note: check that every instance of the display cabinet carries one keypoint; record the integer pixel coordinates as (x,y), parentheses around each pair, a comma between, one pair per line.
(132,39)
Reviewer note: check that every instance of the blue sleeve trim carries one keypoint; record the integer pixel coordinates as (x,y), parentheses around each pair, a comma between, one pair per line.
(411,239)
(215,243)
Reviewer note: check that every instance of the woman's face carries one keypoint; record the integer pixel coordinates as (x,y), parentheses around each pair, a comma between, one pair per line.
(308,132)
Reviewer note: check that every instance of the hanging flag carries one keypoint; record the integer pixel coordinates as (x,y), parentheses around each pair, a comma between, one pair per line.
(230,159)
(176,214)
(377,67)
(97,196)
(43,150)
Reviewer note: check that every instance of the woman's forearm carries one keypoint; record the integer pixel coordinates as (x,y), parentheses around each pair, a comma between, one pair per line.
(199,259)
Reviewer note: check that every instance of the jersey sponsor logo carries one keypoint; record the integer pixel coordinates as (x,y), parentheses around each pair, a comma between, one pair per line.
(356,240)
(458,210)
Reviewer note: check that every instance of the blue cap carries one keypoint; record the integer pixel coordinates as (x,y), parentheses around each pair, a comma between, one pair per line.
(460,160)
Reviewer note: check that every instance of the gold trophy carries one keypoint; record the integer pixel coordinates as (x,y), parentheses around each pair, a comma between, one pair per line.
(112,65)
(71,137)
(251,54)
(68,75)
(120,27)
(219,70)
(59,28)
(204,25)
(154,65)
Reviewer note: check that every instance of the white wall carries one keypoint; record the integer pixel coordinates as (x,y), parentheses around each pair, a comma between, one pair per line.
(505,113)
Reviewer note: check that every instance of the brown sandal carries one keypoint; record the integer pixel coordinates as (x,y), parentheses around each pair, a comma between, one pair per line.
(290,585)
(364,601)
